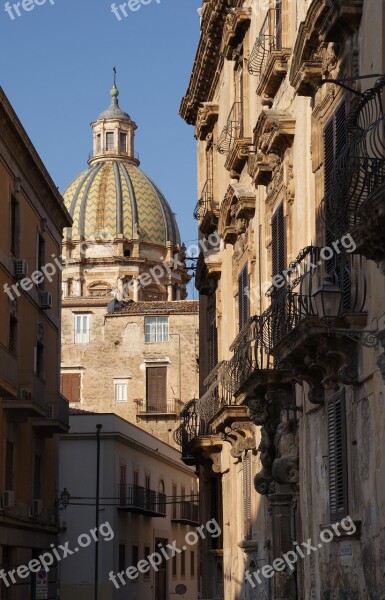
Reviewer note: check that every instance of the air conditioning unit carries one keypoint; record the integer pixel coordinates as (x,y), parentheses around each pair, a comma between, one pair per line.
(21,268)
(37,508)
(25,394)
(45,299)
(9,499)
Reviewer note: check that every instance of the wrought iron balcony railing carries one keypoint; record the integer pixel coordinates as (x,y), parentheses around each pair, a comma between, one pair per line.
(206,201)
(232,130)
(137,499)
(269,39)
(169,407)
(185,511)
(359,171)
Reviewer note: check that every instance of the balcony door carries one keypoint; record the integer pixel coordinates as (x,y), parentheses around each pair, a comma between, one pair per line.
(156,389)
(161,574)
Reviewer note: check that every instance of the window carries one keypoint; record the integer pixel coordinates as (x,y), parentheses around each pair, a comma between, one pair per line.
(243,297)
(122,557)
(12,341)
(70,386)
(40,253)
(156,329)
(98,143)
(14,227)
(247,491)
(135,559)
(174,566)
(183,563)
(278,24)
(338,468)
(122,142)
(192,563)
(146,576)
(213,345)
(9,458)
(122,484)
(135,477)
(37,484)
(82,329)
(278,241)
(334,140)
(174,495)
(110,140)
(39,359)
(121,391)
(156,389)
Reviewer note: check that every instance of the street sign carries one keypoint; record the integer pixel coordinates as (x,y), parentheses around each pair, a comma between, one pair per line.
(42,585)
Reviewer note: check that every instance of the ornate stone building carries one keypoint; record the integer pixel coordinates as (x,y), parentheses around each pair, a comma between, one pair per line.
(286,100)
(32,411)
(130,337)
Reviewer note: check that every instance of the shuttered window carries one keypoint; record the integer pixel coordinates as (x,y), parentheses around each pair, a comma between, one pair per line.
(338,468)
(156,389)
(156,329)
(9,459)
(243,297)
(278,241)
(213,345)
(70,386)
(335,137)
(247,496)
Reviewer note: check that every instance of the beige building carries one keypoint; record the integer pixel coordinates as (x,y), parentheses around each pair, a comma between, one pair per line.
(32,218)
(148,500)
(290,173)
(130,337)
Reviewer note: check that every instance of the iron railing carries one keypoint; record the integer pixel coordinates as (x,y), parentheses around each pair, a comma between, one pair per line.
(232,130)
(185,511)
(140,499)
(169,407)
(58,408)
(206,201)
(359,171)
(269,39)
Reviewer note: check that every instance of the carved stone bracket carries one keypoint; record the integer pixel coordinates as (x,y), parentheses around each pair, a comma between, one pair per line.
(241,437)
(237,208)
(273,73)
(206,119)
(236,23)
(326,21)
(238,155)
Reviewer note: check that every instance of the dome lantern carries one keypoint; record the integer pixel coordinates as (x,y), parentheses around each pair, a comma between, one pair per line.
(113,133)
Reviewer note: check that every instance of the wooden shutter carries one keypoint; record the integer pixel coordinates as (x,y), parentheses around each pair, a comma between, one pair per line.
(338,468)
(70,386)
(247,496)
(335,137)
(156,388)
(278,241)
(243,297)
(213,346)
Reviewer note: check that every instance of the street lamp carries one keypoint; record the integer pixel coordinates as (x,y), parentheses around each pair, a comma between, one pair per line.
(65,498)
(328,299)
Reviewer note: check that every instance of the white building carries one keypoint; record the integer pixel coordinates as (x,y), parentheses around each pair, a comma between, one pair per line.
(147,497)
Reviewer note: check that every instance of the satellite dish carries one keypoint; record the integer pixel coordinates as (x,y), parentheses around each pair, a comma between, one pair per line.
(180,589)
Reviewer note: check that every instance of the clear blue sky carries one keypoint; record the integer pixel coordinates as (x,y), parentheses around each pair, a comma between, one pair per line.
(56,69)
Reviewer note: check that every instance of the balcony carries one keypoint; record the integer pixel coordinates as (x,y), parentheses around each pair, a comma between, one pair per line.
(232,140)
(356,201)
(269,59)
(169,408)
(207,211)
(8,374)
(31,398)
(142,501)
(57,420)
(185,512)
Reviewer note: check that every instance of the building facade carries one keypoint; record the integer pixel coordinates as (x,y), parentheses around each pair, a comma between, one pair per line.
(32,218)
(130,337)
(147,500)
(286,100)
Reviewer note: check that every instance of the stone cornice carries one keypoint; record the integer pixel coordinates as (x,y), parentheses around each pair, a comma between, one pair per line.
(208,58)
(237,208)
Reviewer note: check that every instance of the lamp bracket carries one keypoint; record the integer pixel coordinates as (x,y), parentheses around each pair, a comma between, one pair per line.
(364,337)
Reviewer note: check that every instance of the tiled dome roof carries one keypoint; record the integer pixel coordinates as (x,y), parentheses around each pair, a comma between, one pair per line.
(118,198)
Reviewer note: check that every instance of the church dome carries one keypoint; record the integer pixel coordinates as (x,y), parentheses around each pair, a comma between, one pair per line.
(114,196)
